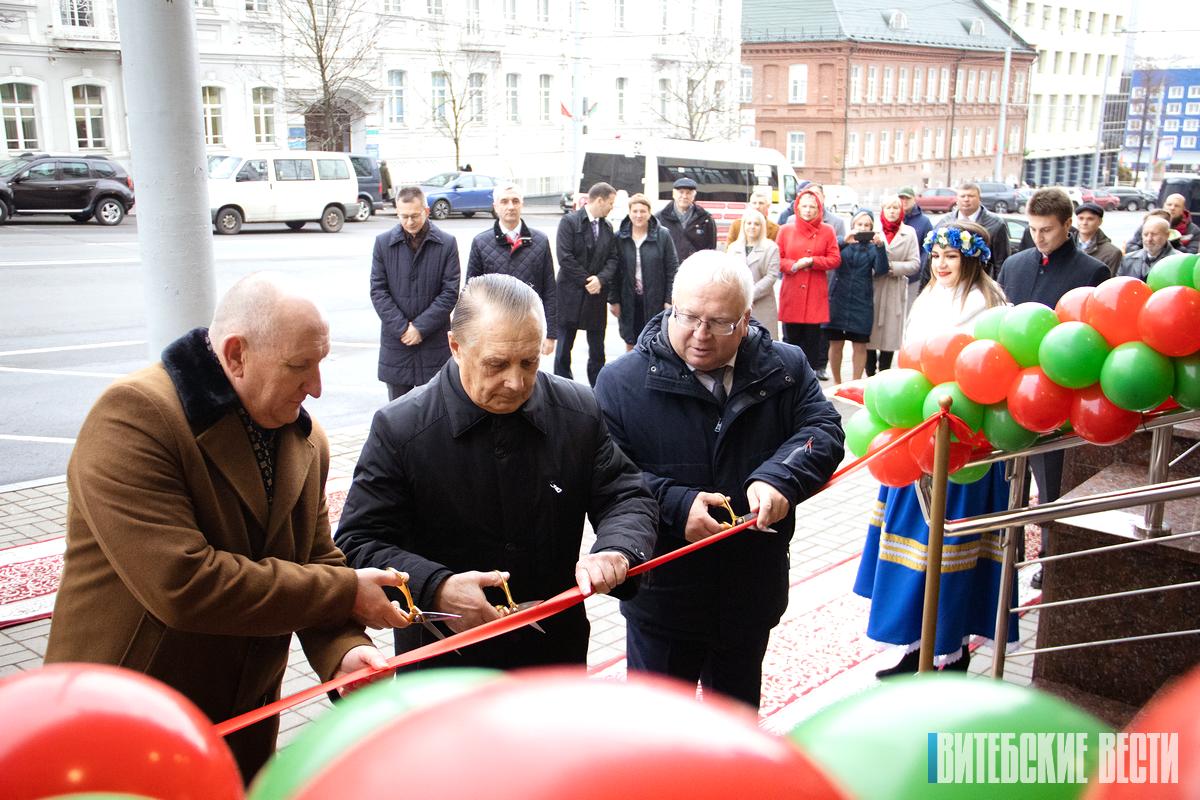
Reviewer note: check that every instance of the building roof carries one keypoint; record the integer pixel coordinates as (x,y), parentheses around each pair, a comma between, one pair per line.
(953,24)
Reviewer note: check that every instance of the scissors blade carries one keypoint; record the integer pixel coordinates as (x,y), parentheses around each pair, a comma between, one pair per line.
(744,518)
(530,604)
(429,626)
(439,615)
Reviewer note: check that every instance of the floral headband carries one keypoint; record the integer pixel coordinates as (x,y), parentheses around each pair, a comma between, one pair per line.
(965,242)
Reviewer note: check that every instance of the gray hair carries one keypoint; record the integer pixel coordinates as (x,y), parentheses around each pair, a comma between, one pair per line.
(507,187)
(712,266)
(762,191)
(251,306)
(1155,220)
(504,295)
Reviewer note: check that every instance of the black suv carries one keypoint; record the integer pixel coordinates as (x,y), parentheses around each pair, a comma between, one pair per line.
(371,196)
(81,187)
(998,197)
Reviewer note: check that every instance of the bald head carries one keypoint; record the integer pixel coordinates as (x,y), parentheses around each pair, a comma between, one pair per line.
(1175,205)
(270,339)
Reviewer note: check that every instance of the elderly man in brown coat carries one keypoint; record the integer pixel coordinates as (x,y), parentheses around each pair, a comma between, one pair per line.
(197,534)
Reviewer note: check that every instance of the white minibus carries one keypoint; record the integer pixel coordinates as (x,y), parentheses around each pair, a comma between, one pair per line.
(289,186)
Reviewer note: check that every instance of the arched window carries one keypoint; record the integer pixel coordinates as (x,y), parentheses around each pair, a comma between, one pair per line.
(212,106)
(18,116)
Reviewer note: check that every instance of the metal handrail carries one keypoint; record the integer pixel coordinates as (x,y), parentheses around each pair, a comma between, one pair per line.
(1106,548)
(1111,595)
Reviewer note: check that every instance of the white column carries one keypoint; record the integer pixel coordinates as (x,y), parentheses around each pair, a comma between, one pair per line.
(158,56)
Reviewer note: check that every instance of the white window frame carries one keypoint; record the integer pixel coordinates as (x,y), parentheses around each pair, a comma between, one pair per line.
(994,88)
(939,143)
(1175,93)
(944,85)
(889,89)
(797,148)
(1187,142)
(439,95)
(213,112)
(476,91)
(20,111)
(898,146)
(868,153)
(972,75)
(931,79)
(545,90)
(917,84)
(1175,109)
(394,107)
(902,86)
(262,111)
(885,147)
(622,92)
(91,142)
(852,149)
(872,84)
(855,83)
(798,84)
(82,13)
(746,86)
(512,98)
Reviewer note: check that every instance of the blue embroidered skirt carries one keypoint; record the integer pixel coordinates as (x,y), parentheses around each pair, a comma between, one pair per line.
(892,570)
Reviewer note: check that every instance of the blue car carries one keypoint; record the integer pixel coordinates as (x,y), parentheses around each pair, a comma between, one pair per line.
(458,193)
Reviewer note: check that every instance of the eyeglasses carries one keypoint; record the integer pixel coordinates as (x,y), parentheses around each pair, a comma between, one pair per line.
(715,327)
(411,217)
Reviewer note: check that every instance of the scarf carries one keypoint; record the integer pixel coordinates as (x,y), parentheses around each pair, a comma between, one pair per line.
(808,227)
(889,227)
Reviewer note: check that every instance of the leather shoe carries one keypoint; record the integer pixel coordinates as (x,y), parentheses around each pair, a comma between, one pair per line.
(906,666)
(963,662)
(822,374)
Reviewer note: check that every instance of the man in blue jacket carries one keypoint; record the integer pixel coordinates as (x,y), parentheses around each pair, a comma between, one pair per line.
(414,286)
(709,407)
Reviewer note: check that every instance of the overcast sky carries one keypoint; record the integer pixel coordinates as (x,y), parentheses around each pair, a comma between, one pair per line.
(1178,45)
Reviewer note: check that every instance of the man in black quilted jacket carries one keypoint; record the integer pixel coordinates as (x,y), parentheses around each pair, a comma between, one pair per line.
(510,247)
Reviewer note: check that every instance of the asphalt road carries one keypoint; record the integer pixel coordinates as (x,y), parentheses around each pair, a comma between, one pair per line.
(71,319)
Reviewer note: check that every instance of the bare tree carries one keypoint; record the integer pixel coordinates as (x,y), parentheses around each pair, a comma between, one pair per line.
(458,98)
(695,96)
(330,51)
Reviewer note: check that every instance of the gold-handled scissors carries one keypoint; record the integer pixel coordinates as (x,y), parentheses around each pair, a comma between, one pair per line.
(735,520)
(414,614)
(513,606)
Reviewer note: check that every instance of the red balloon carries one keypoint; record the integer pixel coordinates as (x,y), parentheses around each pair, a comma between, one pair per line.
(909,356)
(1170,321)
(1038,403)
(939,353)
(1072,306)
(1171,711)
(1094,417)
(984,370)
(921,448)
(72,728)
(896,467)
(1114,308)
(555,733)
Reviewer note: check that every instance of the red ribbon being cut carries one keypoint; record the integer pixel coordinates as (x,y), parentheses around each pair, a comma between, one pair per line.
(549,608)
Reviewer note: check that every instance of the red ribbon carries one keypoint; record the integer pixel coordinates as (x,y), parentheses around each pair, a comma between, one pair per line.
(560,602)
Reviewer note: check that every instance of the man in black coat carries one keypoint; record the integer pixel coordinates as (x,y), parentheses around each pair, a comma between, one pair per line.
(709,406)
(587,265)
(510,247)
(691,227)
(1043,274)
(492,466)
(414,285)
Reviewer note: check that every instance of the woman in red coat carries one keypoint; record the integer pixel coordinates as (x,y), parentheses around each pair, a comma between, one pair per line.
(808,248)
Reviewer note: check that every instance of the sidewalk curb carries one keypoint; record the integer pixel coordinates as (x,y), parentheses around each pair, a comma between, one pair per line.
(33,484)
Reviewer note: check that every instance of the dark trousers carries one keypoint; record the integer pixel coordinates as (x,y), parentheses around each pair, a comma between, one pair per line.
(398,390)
(562,354)
(1047,472)
(731,668)
(808,337)
(822,351)
(878,360)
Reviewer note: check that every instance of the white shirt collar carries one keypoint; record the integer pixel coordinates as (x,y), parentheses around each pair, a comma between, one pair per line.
(974,217)
(509,232)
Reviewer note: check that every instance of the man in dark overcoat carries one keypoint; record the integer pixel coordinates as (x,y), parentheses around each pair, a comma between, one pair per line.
(490,468)
(414,285)
(587,264)
(710,407)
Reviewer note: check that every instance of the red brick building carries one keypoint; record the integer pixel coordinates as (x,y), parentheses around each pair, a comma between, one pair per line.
(864,94)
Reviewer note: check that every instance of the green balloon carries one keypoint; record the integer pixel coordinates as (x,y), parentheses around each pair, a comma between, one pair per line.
(883,743)
(1137,378)
(1178,269)
(969,474)
(1072,354)
(963,407)
(1003,431)
(356,718)
(871,392)
(1187,381)
(987,324)
(898,396)
(861,429)
(1022,331)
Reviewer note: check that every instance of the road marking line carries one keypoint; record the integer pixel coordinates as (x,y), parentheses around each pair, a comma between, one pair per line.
(71,262)
(8,437)
(71,372)
(37,350)
(363,345)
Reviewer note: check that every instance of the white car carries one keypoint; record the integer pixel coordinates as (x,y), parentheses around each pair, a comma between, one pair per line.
(289,186)
(840,199)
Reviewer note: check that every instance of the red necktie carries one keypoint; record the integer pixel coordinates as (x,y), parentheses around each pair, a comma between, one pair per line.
(1045,260)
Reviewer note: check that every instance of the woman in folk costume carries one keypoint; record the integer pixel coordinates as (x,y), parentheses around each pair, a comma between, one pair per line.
(851,296)
(808,249)
(891,290)
(761,256)
(892,570)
